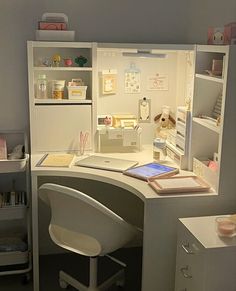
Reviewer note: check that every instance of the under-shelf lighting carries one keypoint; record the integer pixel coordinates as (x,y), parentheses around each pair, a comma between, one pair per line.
(144,54)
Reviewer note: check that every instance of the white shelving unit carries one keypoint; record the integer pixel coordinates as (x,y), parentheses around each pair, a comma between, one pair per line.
(56,124)
(211,138)
(15,221)
(205,262)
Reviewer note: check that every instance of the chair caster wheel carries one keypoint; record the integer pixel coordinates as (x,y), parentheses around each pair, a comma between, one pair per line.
(120,283)
(63,284)
(26,279)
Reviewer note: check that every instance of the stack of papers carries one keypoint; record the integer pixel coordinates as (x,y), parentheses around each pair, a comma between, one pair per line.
(56,160)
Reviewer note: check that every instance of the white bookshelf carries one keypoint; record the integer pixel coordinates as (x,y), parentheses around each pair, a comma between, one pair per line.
(56,123)
(207,137)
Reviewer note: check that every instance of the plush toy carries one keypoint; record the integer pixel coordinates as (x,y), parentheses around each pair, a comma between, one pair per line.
(165,122)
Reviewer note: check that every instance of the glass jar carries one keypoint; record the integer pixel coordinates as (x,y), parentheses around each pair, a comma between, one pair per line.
(41,92)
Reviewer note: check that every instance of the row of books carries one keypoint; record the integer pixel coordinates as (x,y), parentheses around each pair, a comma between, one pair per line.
(13,198)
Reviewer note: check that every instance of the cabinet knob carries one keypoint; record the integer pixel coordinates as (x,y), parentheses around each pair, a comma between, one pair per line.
(187,249)
(184,272)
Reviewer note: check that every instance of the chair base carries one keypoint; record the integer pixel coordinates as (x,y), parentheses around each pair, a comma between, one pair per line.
(66,280)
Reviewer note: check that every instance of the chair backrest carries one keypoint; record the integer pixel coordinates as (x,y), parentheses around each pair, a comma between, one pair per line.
(83,225)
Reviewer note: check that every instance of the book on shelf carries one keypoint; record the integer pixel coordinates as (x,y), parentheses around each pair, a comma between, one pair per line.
(56,160)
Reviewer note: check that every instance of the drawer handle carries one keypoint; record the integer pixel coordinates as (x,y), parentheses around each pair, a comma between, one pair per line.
(184,272)
(187,249)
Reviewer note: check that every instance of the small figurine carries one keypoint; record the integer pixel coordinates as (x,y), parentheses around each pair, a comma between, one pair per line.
(68,62)
(80,61)
(56,60)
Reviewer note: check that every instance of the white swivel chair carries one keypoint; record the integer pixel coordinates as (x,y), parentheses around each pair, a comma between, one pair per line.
(83,225)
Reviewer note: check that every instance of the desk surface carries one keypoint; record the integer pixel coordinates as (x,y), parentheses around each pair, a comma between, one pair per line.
(138,187)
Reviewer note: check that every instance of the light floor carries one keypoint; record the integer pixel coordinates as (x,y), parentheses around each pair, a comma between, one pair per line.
(77,266)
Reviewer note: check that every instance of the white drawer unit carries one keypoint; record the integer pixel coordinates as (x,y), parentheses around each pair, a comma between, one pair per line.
(204,261)
(178,147)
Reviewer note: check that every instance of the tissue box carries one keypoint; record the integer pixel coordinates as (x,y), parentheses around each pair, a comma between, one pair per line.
(215,35)
(230,33)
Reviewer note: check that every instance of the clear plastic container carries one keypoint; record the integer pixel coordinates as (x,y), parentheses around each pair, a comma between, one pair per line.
(159,149)
(41,92)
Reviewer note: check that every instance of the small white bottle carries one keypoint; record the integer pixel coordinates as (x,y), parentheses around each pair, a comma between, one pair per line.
(41,92)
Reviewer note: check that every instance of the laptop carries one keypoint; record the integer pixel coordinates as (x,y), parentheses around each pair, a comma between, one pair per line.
(106,163)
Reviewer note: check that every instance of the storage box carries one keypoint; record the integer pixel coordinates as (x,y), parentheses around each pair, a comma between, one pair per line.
(77,92)
(230,33)
(201,169)
(124,120)
(215,35)
(55,35)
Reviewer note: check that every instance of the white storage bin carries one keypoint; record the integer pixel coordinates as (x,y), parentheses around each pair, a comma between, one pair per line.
(11,166)
(77,92)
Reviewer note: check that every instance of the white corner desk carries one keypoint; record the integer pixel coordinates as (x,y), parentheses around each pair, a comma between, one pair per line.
(160,215)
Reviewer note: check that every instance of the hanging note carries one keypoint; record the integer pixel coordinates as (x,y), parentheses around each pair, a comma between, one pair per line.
(144,110)
(109,82)
(132,80)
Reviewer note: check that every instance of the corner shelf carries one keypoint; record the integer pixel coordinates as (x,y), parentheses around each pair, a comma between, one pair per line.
(210,78)
(207,123)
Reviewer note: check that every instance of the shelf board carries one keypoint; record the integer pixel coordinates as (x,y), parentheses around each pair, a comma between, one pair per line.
(60,102)
(210,78)
(81,69)
(213,48)
(207,124)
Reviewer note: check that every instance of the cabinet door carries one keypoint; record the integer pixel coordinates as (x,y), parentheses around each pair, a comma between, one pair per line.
(60,126)
(189,264)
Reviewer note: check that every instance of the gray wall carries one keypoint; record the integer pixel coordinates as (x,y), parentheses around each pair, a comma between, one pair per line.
(150,21)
